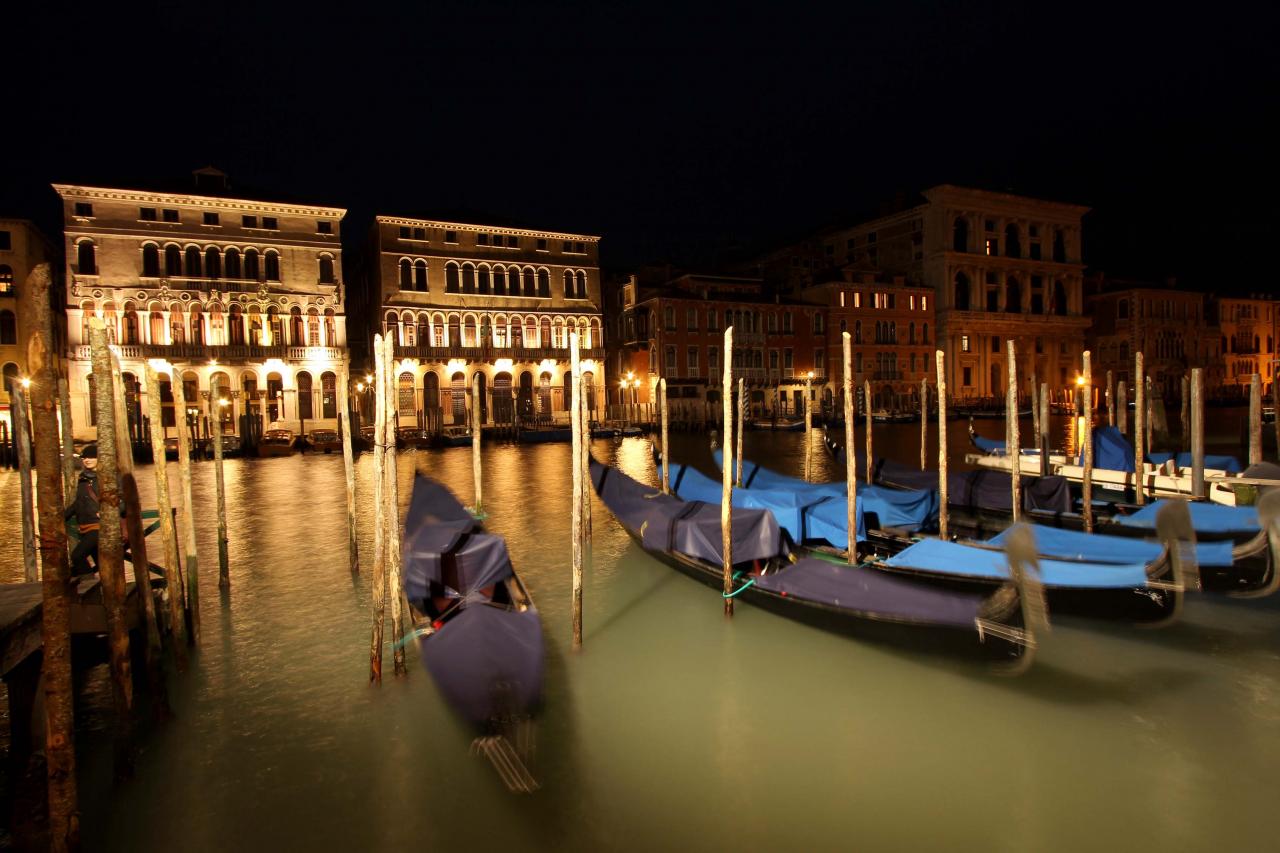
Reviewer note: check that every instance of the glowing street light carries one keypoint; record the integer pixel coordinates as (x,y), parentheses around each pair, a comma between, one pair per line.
(26,382)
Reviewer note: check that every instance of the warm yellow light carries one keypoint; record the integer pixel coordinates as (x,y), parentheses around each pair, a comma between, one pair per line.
(360,386)
(224,402)
(26,382)
(368,377)
(810,374)
(1079,380)
(213,362)
(622,383)
(630,375)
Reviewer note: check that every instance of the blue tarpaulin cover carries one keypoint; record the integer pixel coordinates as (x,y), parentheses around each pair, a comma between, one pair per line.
(1111,450)
(1230,464)
(871,591)
(935,555)
(434,525)
(788,507)
(990,490)
(1100,548)
(667,523)
(1205,518)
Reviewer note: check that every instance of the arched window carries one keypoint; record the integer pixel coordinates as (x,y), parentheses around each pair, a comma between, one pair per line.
(570,289)
(150,261)
(295,326)
(251,264)
(960,235)
(391,324)
(86,258)
(924,334)
(130,326)
(193,262)
(212,263)
(232,262)
(172,261)
(544,332)
(962,292)
(1012,296)
(484,279)
(420,275)
(544,283)
(273,266)
(499,281)
(155,331)
(1124,351)
(197,325)
(455,333)
(326,270)
(177,324)
(469,335)
(857,331)
(911,335)
(215,325)
(329,396)
(559,339)
(330,328)
(468,278)
(451,278)
(255,326)
(313,327)
(406,274)
(235,326)
(8,328)
(111,322)
(1012,242)
(424,330)
(529,287)
(893,331)
(305,409)
(275,327)
(1059,246)
(582,285)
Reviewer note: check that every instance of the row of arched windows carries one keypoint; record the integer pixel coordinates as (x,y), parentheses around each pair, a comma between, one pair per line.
(209,325)
(495,280)
(962,232)
(886,332)
(1050,298)
(212,262)
(469,330)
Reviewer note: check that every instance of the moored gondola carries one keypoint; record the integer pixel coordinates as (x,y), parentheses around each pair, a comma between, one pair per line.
(848,599)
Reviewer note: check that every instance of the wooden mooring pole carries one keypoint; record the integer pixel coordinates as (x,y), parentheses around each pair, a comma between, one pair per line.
(575,516)
(111,545)
(808,435)
(1111,400)
(1139,431)
(68,445)
(742,428)
(666,446)
(1255,419)
(477,472)
(59,708)
(220,487)
(924,420)
(1087,483)
(168,535)
(1184,440)
(940,358)
(1197,433)
(1013,445)
(378,585)
(1035,411)
(850,465)
(188,516)
(1042,436)
(1122,407)
(348,465)
(585,396)
(726,478)
(866,396)
(391,495)
(22,443)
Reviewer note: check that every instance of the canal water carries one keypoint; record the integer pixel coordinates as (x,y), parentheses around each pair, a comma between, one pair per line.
(673,726)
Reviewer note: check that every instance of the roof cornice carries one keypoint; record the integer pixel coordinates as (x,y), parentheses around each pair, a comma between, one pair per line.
(193,199)
(489,229)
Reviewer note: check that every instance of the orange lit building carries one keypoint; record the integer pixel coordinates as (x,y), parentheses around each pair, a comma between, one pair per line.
(22,248)
(1248,341)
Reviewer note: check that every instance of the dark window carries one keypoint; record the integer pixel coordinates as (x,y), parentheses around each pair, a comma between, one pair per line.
(6,240)
(150,261)
(273,266)
(170,215)
(251,264)
(528,283)
(568,246)
(326,270)
(990,225)
(544,283)
(451,278)
(147,214)
(967,373)
(542,245)
(324,226)
(84,208)
(499,281)
(1033,251)
(995,343)
(406,274)
(404,232)
(270,222)
(212,263)
(8,329)
(210,218)
(484,286)
(1122,309)
(1012,242)
(1013,297)
(482,239)
(419,233)
(1059,247)
(172,261)
(871,237)
(86,258)
(582,284)
(993,299)
(451,236)
(513,241)
(232,263)
(569,290)
(249,221)
(582,248)
(420,276)
(468,279)
(962,292)
(960,235)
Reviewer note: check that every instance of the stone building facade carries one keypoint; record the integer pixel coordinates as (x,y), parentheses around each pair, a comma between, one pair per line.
(22,248)
(1248,341)
(243,298)
(464,300)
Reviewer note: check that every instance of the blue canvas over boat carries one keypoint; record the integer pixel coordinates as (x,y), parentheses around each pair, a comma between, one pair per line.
(1216,462)
(1205,517)
(1077,545)
(937,555)
(789,508)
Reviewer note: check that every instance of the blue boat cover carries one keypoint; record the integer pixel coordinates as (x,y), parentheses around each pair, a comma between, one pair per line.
(1205,518)
(1111,450)
(1230,464)
(668,523)
(871,591)
(487,661)
(434,525)
(995,447)
(1100,548)
(788,507)
(952,558)
(990,490)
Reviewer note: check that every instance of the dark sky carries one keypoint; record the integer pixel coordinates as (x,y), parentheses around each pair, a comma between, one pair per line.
(678,132)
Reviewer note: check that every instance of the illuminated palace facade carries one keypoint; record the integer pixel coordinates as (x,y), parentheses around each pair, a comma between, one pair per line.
(244,299)
(22,248)
(477,300)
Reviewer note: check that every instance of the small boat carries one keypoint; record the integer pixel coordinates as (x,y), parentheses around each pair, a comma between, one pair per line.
(230,445)
(850,599)
(413,437)
(600,431)
(778,425)
(631,431)
(171,447)
(886,417)
(540,435)
(324,440)
(477,630)
(276,442)
(454,436)
(997,413)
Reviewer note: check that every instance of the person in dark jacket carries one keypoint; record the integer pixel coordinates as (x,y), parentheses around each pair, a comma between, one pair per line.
(84,509)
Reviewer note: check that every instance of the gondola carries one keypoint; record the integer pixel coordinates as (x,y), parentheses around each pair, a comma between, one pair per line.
(1147,585)
(454,436)
(276,442)
(848,599)
(477,630)
(885,417)
(777,425)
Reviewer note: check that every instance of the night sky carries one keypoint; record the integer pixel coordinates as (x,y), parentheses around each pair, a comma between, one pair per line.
(684,134)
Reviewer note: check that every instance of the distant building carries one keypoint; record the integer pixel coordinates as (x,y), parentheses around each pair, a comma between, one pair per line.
(243,298)
(1000,266)
(676,331)
(495,302)
(1248,341)
(22,248)
(1173,329)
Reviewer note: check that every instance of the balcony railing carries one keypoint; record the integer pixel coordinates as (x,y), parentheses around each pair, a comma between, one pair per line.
(227,352)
